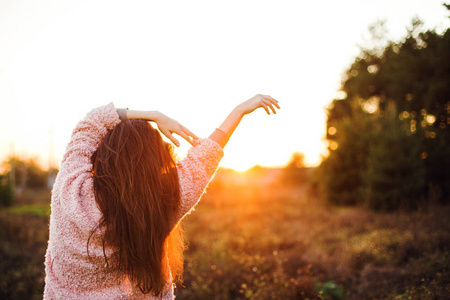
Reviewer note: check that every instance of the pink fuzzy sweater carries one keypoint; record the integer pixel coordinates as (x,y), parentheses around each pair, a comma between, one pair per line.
(70,272)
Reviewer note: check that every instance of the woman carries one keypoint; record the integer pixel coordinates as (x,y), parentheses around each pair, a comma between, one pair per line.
(119,197)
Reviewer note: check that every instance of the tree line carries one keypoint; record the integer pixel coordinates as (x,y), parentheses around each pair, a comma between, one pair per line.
(20,174)
(389,138)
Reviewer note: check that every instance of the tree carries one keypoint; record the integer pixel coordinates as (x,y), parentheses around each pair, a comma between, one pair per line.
(394,118)
(395,173)
(6,192)
(25,173)
(342,171)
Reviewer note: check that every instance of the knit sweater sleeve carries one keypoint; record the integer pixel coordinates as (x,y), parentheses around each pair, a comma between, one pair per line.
(74,179)
(70,273)
(196,171)
(88,134)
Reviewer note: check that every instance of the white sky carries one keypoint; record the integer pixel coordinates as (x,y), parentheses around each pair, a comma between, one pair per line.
(192,60)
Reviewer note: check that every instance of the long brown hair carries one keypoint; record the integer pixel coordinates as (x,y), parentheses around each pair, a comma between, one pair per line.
(137,191)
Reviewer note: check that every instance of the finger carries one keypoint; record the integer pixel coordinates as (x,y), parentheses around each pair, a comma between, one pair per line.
(275,102)
(186,137)
(171,138)
(268,103)
(190,133)
(263,105)
(272,100)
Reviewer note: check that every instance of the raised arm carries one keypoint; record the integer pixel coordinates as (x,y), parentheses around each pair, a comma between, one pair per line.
(226,129)
(87,136)
(89,133)
(199,166)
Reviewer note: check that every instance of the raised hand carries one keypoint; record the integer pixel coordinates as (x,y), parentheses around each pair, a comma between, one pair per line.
(234,118)
(257,101)
(168,126)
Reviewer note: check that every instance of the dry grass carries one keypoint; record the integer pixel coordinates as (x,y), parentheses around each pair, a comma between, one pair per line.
(23,241)
(272,242)
(249,240)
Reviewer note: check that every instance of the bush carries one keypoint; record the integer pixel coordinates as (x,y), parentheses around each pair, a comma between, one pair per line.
(330,290)
(6,192)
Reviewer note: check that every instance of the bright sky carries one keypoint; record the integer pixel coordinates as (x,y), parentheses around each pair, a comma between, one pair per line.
(192,60)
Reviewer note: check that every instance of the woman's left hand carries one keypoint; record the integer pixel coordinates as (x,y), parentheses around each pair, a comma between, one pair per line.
(264,101)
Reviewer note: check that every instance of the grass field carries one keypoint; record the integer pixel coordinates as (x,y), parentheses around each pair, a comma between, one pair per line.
(253,240)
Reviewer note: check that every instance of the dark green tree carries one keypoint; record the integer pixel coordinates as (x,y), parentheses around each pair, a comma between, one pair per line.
(367,142)
(395,174)
(6,192)
(342,171)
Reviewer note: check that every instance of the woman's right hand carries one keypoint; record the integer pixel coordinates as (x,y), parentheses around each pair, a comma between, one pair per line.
(257,101)
(168,126)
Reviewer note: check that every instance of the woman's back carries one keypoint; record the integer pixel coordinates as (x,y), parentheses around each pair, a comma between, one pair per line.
(76,269)
(91,252)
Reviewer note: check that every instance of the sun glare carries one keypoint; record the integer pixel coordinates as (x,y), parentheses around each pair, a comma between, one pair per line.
(239,165)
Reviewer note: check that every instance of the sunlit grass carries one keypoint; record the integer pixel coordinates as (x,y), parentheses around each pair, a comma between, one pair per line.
(250,239)
(272,242)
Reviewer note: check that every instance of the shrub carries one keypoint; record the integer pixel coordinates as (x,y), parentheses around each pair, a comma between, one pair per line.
(6,192)
(330,290)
